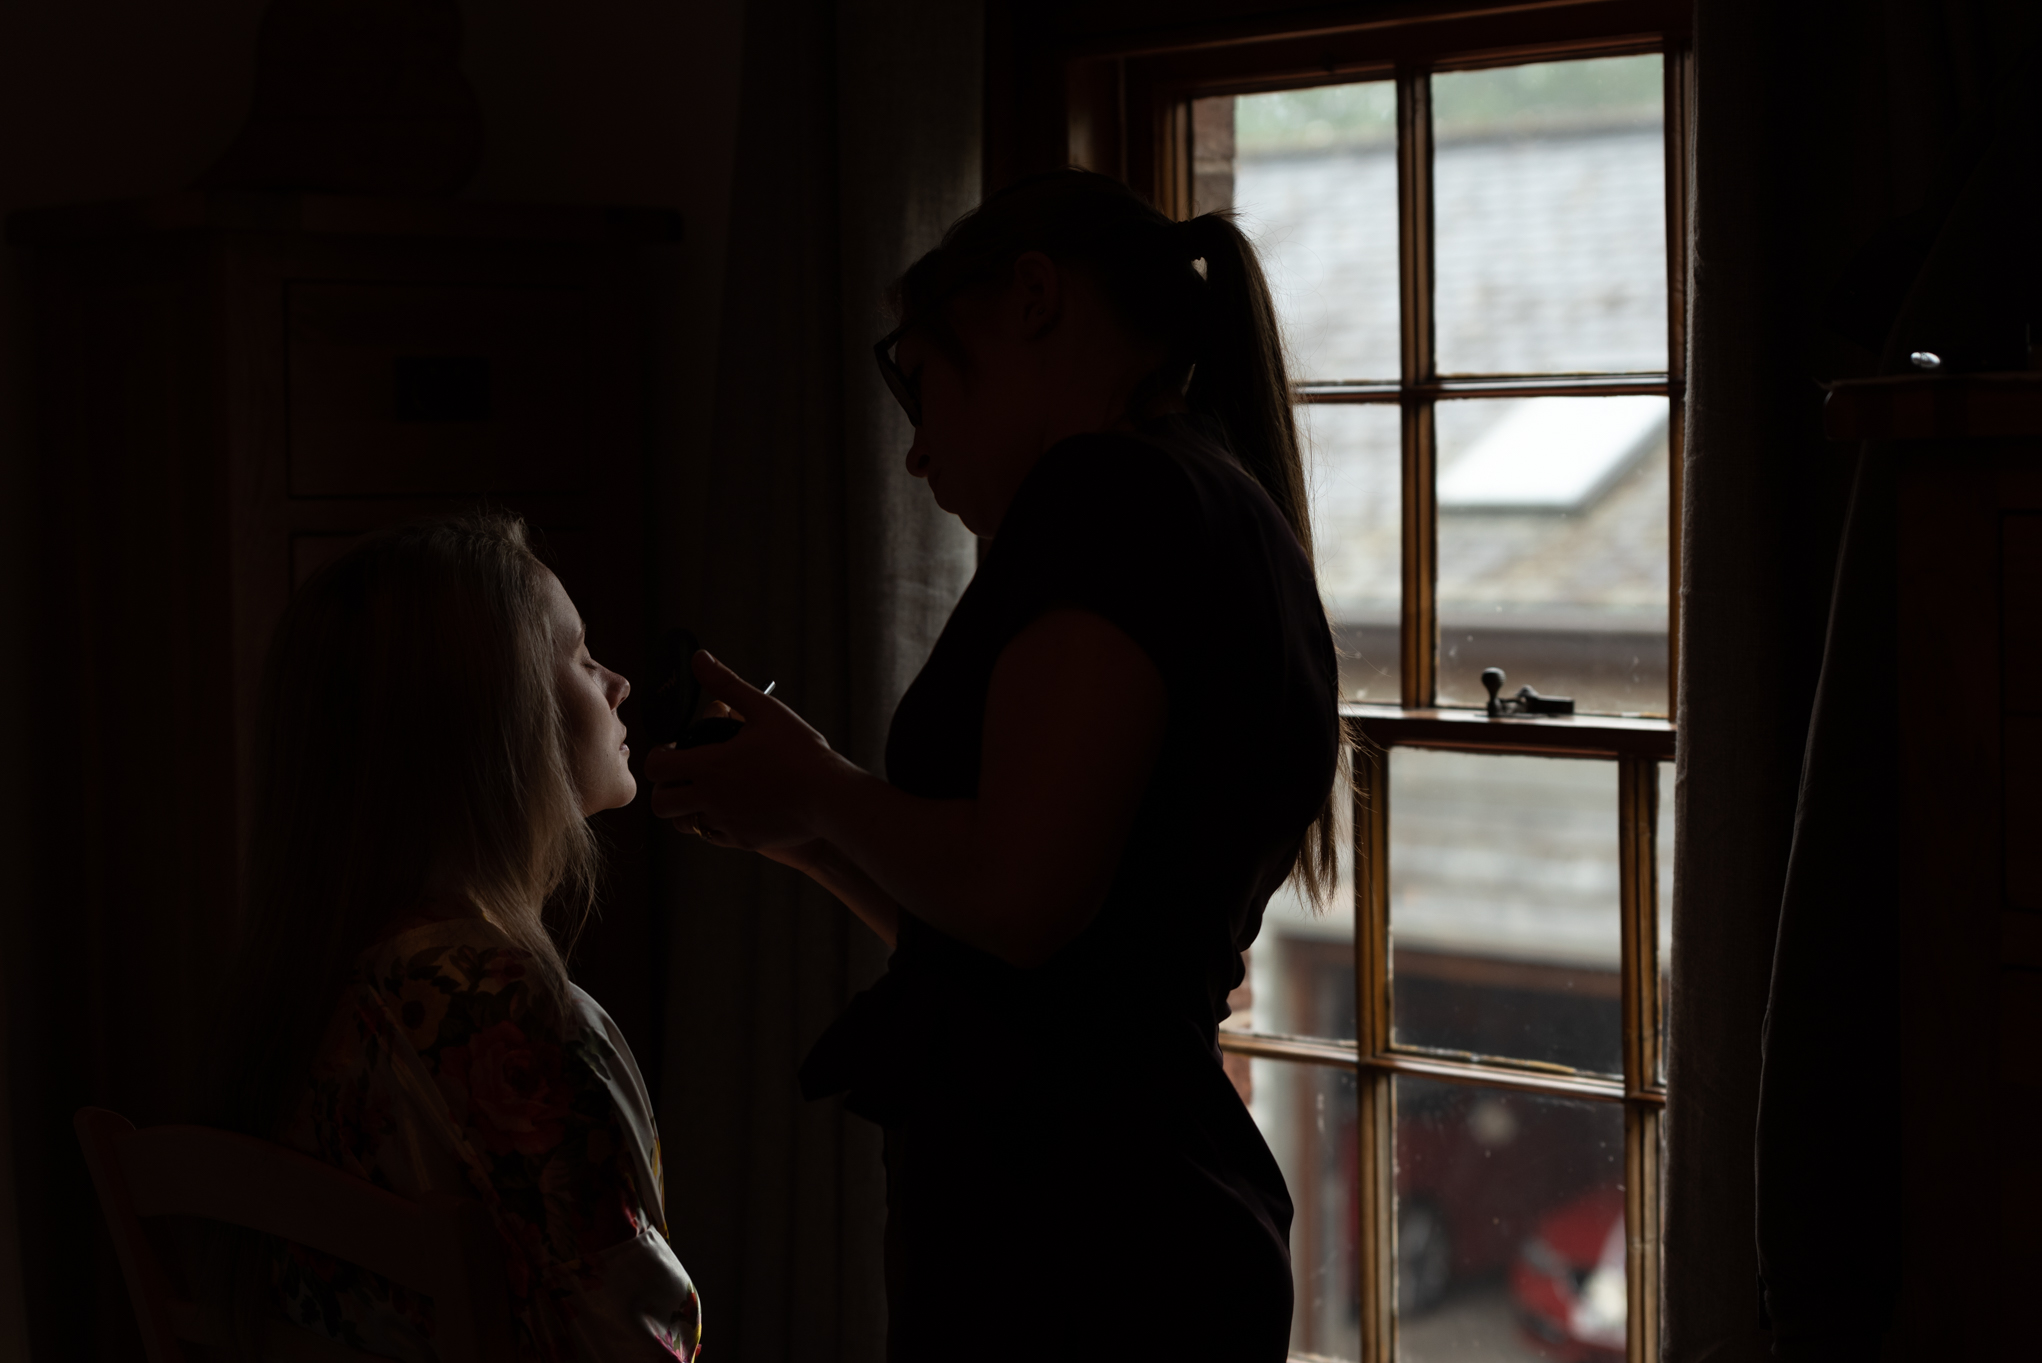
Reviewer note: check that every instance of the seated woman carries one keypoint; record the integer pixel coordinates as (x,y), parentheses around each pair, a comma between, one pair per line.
(434,734)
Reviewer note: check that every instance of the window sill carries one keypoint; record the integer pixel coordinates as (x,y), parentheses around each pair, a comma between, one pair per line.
(1475,731)
(1526,1077)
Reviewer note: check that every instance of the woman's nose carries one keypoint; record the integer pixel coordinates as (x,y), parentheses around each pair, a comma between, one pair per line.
(917,461)
(620,687)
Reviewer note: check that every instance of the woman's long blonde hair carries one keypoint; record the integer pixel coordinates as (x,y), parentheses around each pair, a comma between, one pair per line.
(410,743)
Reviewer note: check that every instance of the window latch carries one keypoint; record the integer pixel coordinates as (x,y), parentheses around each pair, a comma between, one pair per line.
(1525,702)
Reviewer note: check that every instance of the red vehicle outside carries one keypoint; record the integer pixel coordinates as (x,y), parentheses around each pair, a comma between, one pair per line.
(1567,1282)
(1494,1184)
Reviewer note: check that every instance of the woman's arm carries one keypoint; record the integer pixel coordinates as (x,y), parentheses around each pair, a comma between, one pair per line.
(1074,722)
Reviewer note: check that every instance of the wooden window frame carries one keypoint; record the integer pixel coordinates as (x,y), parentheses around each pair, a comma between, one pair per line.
(1127,111)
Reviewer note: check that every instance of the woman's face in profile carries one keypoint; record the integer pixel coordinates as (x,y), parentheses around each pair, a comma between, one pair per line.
(979,434)
(589,696)
(1037,360)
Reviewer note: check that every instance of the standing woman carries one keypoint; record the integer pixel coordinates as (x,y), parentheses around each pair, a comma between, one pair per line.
(1124,741)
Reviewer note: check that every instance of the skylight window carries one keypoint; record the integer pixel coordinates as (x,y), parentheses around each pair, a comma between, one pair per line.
(1553,454)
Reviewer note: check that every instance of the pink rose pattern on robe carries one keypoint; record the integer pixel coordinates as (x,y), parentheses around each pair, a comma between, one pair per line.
(523,1105)
(517,1102)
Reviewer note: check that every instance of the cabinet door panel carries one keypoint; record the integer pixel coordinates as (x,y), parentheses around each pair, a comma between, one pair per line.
(2022,753)
(405,389)
(2021,612)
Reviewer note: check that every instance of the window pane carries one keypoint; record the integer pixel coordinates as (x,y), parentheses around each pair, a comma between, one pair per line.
(1300,977)
(1314,176)
(1549,216)
(1553,549)
(1307,1114)
(1510,1225)
(1504,908)
(1355,462)
(1663,853)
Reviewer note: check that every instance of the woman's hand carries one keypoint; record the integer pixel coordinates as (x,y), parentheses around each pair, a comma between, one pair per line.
(1074,722)
(760,790)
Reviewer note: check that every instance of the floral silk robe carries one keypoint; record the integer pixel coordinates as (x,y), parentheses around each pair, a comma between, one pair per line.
(446,1070)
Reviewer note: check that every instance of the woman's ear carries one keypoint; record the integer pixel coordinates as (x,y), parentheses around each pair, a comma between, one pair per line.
(1038,294)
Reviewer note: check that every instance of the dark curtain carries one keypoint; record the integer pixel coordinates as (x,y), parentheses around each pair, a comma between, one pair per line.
(1944,271)
(1840,151)
(817,563)
(1832,146)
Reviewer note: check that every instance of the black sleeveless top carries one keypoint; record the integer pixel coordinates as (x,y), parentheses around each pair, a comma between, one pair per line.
(1165,536)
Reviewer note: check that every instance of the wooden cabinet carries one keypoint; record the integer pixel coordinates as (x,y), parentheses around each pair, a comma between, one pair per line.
(233,387)
(1967,780)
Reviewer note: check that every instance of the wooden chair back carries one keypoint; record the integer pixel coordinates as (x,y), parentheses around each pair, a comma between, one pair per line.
(444,1247)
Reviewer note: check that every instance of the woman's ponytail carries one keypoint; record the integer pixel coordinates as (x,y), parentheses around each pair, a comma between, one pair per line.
(1239,379)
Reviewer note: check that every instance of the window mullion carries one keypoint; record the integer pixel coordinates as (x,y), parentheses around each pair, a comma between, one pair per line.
(1637,782)
(1675,62)
(1638,815)
(1419,624)
(1641,1231)
(1375,1090)
(1642,1129)
(1376,1259)
(1371,766)
(1419,646)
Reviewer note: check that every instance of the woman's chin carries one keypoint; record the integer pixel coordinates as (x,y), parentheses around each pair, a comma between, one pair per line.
(619,793)
(956,508)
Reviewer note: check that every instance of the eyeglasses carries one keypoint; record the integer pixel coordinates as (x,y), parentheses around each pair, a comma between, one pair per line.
(906,391)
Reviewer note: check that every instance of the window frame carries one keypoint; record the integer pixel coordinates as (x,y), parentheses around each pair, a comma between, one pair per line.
(1127,110)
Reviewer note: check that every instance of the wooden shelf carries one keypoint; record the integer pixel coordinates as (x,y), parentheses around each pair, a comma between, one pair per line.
(1934,407)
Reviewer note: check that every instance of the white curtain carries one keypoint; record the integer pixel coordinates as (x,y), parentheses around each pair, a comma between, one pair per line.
(822,566)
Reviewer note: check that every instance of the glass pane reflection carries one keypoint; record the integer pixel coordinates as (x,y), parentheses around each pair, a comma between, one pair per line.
(1553,549)
(1314,176)
(1510,1225)
(1307,1114)
(1354,455)
(1504,906)
(1550,207)
(1300,971)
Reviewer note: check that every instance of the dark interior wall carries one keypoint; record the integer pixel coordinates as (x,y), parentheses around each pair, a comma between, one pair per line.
(628,102)
(614,101)
(98,100)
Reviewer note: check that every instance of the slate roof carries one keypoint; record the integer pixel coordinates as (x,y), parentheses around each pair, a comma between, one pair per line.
(1550,258)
